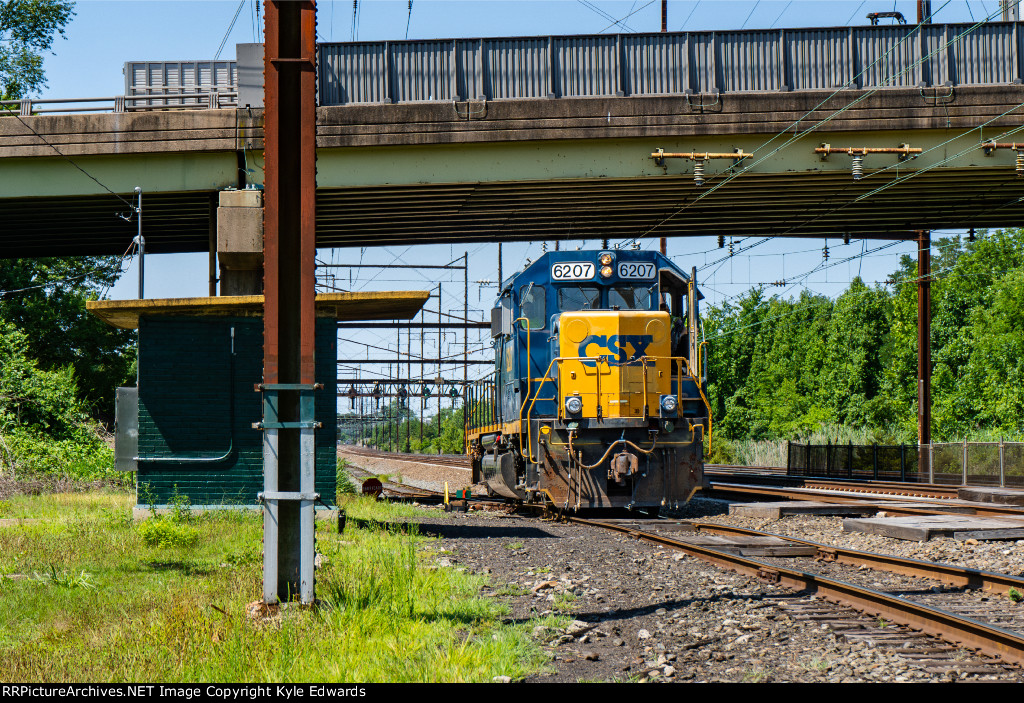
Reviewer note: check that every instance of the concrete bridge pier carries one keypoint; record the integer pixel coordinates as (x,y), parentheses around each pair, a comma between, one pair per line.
(239,242)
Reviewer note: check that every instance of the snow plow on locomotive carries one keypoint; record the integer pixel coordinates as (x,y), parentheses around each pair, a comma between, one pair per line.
(598,398)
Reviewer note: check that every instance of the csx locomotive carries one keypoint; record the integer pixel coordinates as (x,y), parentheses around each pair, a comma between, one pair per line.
(598,399)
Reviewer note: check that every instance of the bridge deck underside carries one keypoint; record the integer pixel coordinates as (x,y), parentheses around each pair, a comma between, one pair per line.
(794,205)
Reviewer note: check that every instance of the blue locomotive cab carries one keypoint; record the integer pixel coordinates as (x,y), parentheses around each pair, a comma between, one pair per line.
(598,397)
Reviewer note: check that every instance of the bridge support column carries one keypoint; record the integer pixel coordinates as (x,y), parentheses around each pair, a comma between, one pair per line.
(924,339)
(240,242)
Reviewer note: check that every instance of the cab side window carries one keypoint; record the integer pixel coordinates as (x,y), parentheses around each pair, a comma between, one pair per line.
(532,303)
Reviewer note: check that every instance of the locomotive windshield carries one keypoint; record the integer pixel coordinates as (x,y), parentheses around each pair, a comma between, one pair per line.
(630,297)
(572,298)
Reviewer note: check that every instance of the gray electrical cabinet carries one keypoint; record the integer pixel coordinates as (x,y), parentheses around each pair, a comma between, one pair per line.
(126,429)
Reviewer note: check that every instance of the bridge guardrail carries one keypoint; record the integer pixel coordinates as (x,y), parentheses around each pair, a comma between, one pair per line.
(669,63)
(209,100)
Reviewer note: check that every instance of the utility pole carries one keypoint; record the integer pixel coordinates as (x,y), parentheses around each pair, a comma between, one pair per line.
(664,28)
(465,345)
(924,338)
(924,308)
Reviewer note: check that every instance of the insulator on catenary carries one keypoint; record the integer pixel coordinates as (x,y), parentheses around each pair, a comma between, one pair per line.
(730,247)
(698,173)
(1020,163)
(604,243)
(857,166)
(824,252)
(846,237)
(721,241)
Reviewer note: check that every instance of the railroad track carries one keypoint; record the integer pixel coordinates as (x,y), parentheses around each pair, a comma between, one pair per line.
(966,609)
(931,626)
(446,460)
(895,500)
(394,489)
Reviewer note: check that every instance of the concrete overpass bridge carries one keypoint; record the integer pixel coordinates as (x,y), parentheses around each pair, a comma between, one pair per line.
(557,142)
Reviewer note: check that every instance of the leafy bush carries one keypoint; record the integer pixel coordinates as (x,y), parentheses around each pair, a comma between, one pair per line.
(344,482)
(161,531)
(27,453)
(171,529)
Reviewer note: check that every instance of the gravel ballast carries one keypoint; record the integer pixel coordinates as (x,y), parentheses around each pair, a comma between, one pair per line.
(639,612)
(644,613)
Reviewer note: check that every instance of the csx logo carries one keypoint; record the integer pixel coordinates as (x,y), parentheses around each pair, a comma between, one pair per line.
(617,345)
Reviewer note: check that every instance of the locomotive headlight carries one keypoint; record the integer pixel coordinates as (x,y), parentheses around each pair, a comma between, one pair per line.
(606,272)
(669,404)
(605,259)
(573,405)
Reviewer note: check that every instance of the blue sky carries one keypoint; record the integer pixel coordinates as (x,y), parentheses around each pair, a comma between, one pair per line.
(104,35)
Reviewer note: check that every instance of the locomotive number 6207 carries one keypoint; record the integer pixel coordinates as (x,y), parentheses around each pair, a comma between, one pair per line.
(572,271)
(632,269)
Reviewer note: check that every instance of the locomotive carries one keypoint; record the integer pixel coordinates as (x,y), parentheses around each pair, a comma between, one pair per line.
(599,393)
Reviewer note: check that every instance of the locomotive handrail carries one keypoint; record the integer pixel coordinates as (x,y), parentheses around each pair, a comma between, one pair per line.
(680,360)
(529,386)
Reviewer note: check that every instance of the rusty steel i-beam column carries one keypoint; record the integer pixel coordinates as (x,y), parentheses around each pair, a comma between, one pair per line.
(924,337)
(289,248)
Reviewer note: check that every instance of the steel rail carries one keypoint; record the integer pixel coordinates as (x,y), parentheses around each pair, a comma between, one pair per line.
(898,488)
(950,627)
(960,576)
(805,493)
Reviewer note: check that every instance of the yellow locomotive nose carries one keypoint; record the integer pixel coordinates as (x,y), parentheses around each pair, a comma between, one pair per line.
(615,364)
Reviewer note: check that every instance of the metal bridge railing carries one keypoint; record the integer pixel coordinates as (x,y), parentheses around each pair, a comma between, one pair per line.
(209,100)
(671,63)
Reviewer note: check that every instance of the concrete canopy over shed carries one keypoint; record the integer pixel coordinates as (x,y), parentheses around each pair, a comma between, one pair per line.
(349,307)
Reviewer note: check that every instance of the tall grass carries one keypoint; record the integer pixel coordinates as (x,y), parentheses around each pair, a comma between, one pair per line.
(114,608)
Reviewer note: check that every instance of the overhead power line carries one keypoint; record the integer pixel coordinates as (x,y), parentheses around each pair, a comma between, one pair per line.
(231,26)
(631,13)
(798,135)
(594,8)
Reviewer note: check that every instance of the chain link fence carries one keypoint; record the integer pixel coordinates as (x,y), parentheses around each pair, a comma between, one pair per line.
(952,463)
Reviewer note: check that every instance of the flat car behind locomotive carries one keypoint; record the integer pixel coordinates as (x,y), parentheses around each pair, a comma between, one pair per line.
(598,398)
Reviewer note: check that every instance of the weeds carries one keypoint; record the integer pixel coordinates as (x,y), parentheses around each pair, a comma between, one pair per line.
(387,615)
(1015,595)
(65,579)
(564,601)
(514,545)
(164,532)
(172,529)
(512,589)
(818,665)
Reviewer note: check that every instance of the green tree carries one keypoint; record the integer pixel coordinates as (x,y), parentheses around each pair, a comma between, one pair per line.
(45,299)
(28,28)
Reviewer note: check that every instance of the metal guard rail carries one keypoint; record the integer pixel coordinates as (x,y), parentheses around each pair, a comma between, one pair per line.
(208,100)
(671,63)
